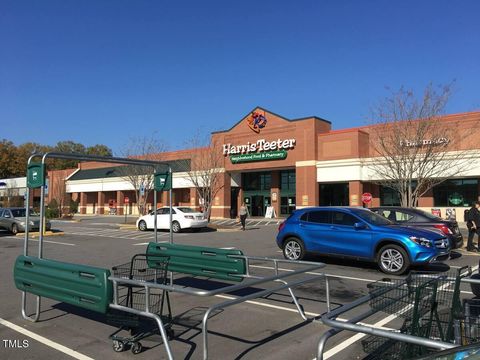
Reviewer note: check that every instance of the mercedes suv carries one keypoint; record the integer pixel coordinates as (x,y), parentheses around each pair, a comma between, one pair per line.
(359,234)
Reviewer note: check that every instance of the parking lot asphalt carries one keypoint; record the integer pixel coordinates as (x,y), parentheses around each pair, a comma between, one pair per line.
(266,328)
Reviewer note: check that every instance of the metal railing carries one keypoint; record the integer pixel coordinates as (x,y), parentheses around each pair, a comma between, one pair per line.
(331,319)
(250,280)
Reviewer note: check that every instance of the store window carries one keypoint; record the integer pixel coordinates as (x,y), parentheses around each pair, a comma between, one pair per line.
(257,181)
(456,192)
(288,180)
(389,197)
(334,194)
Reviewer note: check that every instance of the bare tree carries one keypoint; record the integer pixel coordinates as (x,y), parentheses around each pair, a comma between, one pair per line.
(413,149)
(59,191)
(206,170)
(141,177)
(11,195)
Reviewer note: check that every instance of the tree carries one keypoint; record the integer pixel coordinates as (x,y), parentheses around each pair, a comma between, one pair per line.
(141,177)
(73,147)
(58,188)
(11,195)
(7,162)
(413,149)
(206,170)
(100,150)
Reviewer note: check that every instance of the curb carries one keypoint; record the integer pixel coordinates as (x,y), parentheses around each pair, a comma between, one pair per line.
(47,233)
(127,227)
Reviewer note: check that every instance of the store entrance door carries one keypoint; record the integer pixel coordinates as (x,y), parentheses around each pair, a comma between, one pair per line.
(257,204)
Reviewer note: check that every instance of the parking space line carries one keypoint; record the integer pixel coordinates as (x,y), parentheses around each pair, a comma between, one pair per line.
(53,242)
(44,340)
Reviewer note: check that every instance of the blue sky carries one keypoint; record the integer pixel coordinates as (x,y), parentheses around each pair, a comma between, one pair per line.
(105,71)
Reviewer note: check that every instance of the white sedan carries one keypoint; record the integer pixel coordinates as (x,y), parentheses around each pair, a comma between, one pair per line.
(182,218)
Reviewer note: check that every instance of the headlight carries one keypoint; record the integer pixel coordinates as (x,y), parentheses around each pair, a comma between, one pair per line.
(31,223)
(22,223)
(421,241)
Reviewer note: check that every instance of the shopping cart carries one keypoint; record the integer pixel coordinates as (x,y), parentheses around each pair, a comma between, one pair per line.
(135,297)
(430,307)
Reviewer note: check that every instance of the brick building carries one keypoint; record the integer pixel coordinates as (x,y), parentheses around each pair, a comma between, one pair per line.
(269,160)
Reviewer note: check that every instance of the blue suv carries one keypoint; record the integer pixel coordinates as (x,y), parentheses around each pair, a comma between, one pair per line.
(360,234)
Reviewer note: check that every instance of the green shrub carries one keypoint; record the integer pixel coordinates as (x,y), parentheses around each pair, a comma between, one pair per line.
(52,211)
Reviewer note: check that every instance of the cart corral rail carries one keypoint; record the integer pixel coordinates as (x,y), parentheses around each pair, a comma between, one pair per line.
(435,318)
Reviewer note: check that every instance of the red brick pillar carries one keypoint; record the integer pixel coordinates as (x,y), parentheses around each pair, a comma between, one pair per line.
(194,199)
(101,202)
(275,192)
(120,202)
(221,202)
(355,189)
(83,203)
(307,187)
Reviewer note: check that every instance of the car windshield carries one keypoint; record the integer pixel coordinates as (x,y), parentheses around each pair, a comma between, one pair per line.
(23,212)
(186,210)
(371,217)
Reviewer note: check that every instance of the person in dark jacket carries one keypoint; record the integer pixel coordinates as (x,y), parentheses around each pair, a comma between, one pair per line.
(473,225)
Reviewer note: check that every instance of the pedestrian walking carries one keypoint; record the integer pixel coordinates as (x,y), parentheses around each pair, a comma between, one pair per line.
(473,225)
(244,213)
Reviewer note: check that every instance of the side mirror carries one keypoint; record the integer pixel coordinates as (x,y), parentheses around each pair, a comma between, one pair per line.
(360,226)
(6,215)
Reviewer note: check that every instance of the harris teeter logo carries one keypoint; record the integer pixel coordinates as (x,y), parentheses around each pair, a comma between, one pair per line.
(256,121)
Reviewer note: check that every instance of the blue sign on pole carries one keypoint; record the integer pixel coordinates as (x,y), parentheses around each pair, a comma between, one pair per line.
(142,190)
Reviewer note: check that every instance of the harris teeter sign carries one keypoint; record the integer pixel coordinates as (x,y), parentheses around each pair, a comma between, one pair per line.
(261,150)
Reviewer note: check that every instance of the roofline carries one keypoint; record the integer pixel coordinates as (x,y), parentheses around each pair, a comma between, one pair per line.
(73,173)
(271,112)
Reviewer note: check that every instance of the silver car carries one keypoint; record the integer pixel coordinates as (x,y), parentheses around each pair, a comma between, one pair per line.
(13,220)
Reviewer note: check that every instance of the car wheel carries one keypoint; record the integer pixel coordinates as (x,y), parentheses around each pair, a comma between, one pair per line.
(176,227)
(293,249)
(142,226)
(14,229)
(393,260)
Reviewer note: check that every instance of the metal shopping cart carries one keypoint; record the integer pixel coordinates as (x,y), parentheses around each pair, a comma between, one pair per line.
(429,305)
(137,297)
(424,311)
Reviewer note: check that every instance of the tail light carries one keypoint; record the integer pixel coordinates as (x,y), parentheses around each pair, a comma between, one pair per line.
(445,229)
(281,226)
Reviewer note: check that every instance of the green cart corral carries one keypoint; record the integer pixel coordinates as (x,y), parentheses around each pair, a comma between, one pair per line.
(425,309)
(137,291)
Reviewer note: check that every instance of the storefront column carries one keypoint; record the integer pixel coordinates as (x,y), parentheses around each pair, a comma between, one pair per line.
(120,202)
(275,192)
(101,202)
(355,189)
(307,193)
(374,189)
(194,199)
(83,203)
(221,202)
